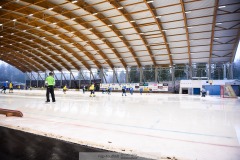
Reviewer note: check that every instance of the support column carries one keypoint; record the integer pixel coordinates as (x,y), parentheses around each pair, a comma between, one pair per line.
(37,78)
(113,75)
(30,79)
(90,76)
(26,80)
(61,79)
(156,74)
(173,73)
(127,75)
(231,71)
(79,82)
(70,79)
(141,74)
(173,78)
(224,72)
(101,75)
(190,71)
(186,70)
(209,71)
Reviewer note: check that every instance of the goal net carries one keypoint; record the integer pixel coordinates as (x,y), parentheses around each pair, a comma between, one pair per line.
(227,92)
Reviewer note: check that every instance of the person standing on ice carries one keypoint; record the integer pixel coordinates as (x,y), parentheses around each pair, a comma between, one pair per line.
(3,89)
(124,90)
(91,88)
(141,90)
(50,83)
(10,87)
(131,90)
(65,89)
(109,90)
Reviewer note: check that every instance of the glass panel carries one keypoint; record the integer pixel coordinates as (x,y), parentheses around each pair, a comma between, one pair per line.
(236,70)
(121,75)
(181,72)
(199,70)
(217,71)
(164,74)
(148,74)
(96,74)
(108,73)
(134,75)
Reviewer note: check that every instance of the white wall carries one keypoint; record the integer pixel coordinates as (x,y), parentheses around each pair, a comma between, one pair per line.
(199,83)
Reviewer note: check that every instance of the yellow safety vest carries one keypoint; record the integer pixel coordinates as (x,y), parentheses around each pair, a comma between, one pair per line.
(91,87)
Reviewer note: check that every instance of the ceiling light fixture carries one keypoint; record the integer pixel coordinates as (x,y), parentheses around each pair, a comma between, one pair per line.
(188,12)
(73,19)
(0,7)
(1,36)
(221,6)
(30,15)
(12,33)
(54,23)
(150,1)
(94,14)
(110,25)
(132,21)
(38,27)
(24,30)
(74,1)
(14,20)
(1,24)
(120,7)
(50,9)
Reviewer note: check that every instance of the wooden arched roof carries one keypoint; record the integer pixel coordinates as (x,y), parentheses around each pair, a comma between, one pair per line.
(40,35)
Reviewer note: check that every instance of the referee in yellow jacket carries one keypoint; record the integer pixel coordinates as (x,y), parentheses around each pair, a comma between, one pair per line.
(50,83)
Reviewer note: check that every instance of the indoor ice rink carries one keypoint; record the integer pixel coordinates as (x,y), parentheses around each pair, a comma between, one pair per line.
(155,126)
(177,60)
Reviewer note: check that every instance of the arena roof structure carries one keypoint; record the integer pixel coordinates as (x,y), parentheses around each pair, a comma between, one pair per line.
(40,35)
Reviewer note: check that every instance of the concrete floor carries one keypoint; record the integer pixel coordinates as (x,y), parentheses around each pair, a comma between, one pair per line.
(154,126)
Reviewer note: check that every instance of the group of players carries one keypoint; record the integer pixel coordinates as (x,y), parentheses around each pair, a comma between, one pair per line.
(4,88)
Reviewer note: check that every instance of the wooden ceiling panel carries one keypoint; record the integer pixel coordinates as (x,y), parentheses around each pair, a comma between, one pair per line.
(61,35)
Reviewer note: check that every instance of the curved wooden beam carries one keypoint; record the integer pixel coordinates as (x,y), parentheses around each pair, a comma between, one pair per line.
(34,54)
(213,29)
(28,61)
(159,24)
(129,18)
(88,8)
(62,24)
(187,33)
(14,63)
(20,19)
(36,50)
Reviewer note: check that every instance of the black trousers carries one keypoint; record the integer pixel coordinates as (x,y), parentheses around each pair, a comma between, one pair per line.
(50,89)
